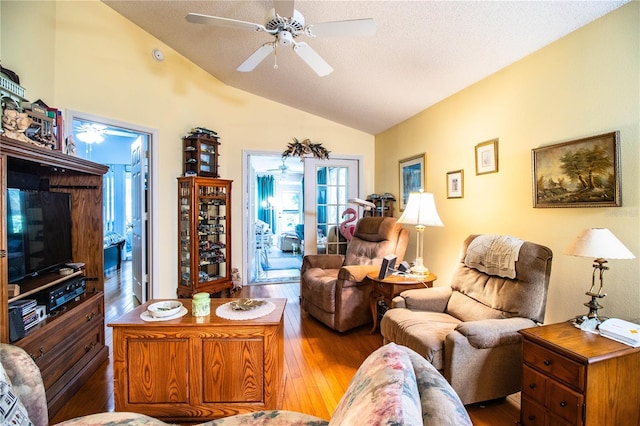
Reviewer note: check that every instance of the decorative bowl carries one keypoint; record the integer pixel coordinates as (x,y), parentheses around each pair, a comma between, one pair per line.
(164,309)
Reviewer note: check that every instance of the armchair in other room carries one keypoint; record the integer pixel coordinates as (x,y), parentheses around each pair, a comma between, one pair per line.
(469,330)
(334,288)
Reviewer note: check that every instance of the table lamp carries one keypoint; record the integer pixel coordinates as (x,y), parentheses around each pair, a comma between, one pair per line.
(600,244)
(421,212)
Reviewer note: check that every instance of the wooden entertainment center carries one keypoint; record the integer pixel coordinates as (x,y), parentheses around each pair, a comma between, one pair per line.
(69,346)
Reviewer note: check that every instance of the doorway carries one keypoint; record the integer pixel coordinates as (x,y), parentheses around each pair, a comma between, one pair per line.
(287,199)
(274,215)
(128,201)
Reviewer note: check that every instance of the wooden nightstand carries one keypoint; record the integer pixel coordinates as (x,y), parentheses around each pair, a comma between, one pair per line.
(573,377)
(391,286)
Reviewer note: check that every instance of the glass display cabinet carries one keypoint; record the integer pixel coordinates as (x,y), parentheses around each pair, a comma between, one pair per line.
(201,155)
(204,241)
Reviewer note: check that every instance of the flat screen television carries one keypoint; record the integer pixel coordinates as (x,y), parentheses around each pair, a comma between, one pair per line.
(38,232)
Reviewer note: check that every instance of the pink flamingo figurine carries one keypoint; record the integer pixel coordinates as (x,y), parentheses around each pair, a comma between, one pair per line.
(345,229)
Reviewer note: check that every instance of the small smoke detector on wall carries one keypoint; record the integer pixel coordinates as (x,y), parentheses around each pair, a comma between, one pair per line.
(157,55)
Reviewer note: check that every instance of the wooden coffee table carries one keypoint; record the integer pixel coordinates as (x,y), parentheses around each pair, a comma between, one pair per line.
(391,286)
(198,367)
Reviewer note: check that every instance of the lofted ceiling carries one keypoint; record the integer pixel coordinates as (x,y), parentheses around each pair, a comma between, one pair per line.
(422,52)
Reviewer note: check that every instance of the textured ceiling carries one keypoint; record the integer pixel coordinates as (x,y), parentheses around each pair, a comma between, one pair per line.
(422,52)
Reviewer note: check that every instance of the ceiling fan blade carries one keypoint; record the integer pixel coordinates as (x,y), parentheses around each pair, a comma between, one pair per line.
(284,8)
(196,18)
(315,61)
(353,27)
(257,57)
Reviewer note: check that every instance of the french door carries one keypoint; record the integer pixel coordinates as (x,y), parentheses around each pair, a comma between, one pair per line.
(328,186)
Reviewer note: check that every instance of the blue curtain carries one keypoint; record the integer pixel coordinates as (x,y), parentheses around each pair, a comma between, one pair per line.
(266,189)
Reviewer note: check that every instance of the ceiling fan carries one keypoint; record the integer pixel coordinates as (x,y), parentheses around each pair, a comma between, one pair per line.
(282,168)
(90,132)
(285,23)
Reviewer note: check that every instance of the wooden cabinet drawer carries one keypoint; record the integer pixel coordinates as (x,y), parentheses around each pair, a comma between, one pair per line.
(384,290)
(565,403)
(534,385)
(41,343)
(531,413)
(87,342)
(555,365)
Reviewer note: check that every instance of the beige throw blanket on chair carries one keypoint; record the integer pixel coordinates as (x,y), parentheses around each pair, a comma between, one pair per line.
(494,254)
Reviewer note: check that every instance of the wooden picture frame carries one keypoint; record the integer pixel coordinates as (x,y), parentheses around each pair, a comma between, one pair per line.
(580,173)
(487,157)
(413,177)
(455,184)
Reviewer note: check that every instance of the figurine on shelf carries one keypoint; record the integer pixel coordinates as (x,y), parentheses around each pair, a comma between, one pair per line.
(70,146)
(15,124)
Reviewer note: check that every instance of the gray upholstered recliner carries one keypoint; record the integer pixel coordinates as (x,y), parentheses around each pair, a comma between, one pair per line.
(334,288)
(469,331)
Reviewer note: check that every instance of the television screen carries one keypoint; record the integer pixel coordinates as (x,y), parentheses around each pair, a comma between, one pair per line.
(38,231)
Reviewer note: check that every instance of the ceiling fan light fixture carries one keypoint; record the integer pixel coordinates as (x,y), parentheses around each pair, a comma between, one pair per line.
(285,38)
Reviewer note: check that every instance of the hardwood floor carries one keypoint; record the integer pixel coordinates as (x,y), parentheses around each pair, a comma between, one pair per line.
(319,362)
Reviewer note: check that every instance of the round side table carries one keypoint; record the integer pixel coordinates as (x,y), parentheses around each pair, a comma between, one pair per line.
(391,286)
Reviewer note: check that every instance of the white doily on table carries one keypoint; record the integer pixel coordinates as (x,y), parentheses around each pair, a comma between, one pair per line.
(227,312)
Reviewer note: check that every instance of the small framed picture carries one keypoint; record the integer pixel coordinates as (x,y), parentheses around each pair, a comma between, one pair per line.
(455,184)
(412,177)
(487,157)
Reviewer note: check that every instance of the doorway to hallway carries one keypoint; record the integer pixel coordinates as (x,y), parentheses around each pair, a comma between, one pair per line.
(127,197)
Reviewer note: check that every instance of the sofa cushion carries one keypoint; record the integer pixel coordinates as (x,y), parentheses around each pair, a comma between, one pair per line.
(440,403)
(274,417)
(382,392)
(422,331)
(12,412)
(114,418)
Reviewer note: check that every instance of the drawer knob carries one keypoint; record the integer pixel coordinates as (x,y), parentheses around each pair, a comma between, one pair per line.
(531,417)
(563,404)
(547,362)
(532,386)
(90,316)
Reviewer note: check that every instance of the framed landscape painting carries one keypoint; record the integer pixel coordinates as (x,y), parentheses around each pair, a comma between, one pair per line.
(412,177)
(580,173)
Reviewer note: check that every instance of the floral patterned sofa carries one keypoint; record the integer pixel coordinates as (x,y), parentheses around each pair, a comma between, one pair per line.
(394,385)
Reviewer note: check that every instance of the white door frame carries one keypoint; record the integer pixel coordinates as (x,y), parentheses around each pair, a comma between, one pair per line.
(154,139)
(249,185)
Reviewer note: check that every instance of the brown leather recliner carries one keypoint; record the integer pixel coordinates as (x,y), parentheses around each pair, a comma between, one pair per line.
(469,330)
(334,288)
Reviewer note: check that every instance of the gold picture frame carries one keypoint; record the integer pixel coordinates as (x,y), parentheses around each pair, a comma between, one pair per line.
(580,173)
(455,184)
(413,177)
(487,157)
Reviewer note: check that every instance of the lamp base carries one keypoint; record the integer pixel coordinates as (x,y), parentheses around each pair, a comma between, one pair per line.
(593,306)
(419,269)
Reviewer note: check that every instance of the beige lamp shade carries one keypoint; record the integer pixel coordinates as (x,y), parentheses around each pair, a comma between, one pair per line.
(598,243)
(421,210)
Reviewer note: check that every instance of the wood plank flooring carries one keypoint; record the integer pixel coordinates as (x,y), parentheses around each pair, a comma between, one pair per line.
(319,362)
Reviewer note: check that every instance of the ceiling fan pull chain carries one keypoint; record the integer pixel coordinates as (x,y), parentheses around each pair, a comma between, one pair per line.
(275,56)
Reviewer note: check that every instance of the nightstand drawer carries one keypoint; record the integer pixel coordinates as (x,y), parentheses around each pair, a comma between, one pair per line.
(565,403)
(532,414)
(554,364)
(534,385)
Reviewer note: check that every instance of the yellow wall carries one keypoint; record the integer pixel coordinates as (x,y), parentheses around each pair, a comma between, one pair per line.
(587,83)
(83,56)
